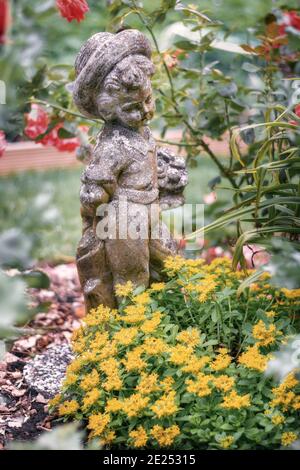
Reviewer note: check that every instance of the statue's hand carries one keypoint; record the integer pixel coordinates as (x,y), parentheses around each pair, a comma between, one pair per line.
(172,178)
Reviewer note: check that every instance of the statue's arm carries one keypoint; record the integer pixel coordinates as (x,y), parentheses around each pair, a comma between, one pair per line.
(172,178)
(99,180)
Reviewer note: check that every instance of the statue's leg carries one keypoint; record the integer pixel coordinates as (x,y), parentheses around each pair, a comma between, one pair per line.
(160,248)
(128,254)
(93,270)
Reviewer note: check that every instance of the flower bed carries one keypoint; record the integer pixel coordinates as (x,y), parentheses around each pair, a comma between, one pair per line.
(182,364)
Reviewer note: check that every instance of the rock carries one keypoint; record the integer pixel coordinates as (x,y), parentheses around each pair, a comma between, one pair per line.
(45,373)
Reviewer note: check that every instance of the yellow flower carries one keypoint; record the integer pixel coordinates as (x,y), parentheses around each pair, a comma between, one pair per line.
(90,381)
(70,379)
(148,383)
(100,340)
(99,315)
(133,360)
(223,382)
(222,361)
(142,299)
(263,334)
(109,366)
(55,400)
(167,383)
(165,406)
(291,293)
(195,364)
(253,359)
(91,397)
(110,349)
(108,438)
(123,290)
(113,382)
(165,436)
(180,354)
(190,337)
(134,404)
(235,401)
(283,396)
(287,438)
(79,345)
(97,423)
(173,264)
(278,419)
(157,286)
(113,405)
(226,442)
(139,437)
(153,346)
(150,325)
(126,336)
(296,403)
(68,408)
(200,386)
(75,366)
(134,314)
(271,314)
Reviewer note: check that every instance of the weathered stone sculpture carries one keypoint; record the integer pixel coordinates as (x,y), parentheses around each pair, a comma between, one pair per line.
(113,83)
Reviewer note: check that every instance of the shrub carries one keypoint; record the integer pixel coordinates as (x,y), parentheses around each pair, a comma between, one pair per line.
(182,364)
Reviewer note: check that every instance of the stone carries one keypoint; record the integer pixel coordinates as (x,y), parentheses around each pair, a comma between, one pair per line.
(128,179)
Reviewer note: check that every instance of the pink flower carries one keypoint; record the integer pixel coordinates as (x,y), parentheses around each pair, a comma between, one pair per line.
(3,143)
(72,9)
(210,198)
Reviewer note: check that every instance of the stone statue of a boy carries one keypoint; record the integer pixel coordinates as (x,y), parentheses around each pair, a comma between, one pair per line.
(113,83)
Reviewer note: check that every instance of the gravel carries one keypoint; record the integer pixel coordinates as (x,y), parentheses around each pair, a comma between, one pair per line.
(45,373)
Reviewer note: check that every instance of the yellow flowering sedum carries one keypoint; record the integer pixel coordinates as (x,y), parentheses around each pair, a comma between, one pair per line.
(288,438)
(161,361)
(123,290)
(226,442)
(165,436)
(90,380)
(191,337)
(139,437)
(263,334)
(68,407)
(165,406)
(253,359)
(222,361)
(97,424)
(235,401)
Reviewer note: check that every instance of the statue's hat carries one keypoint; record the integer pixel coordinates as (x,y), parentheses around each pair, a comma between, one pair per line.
(97,58)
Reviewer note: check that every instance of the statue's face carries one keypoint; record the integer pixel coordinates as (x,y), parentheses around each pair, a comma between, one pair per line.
(135,107)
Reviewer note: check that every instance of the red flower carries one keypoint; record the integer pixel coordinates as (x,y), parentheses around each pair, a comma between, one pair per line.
(290,18)
(294,19)
(4,20)
(72,9)
(297,110)
(3,143)
(37,122)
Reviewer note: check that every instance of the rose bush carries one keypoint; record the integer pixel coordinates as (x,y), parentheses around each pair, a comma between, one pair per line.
(182,364)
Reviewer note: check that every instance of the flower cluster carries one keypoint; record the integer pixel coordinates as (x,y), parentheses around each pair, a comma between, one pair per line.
(168,369)
(37,124)
(72,9)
